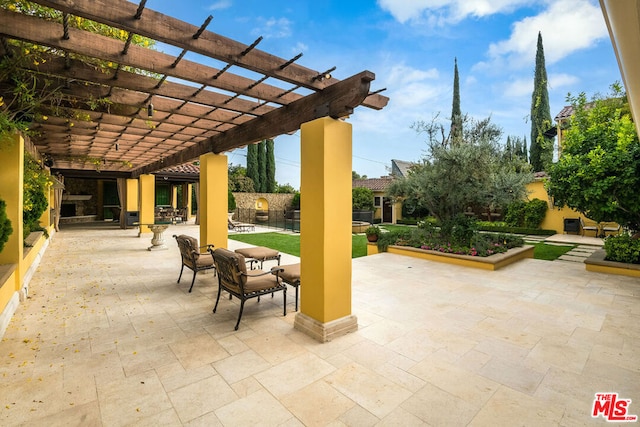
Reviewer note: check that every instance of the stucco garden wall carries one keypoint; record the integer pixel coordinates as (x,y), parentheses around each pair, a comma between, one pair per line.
(275,201)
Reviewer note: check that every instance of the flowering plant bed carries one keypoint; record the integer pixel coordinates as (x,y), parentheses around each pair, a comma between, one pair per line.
(493,262)
(457,242)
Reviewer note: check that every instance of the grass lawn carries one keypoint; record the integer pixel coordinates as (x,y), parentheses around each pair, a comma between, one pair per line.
(550,252)
(290,243)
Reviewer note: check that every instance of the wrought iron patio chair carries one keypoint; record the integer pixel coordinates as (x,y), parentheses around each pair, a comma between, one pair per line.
(234,278)
(192,258)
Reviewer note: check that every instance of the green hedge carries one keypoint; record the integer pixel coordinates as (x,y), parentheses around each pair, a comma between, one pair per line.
(622,248)
(517,230)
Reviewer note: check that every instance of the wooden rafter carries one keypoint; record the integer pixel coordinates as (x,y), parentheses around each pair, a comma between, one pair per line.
(195,108)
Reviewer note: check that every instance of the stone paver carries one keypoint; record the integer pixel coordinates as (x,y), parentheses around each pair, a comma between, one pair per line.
(107,337)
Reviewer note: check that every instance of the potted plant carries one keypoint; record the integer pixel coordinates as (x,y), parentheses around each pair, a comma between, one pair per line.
(372,233)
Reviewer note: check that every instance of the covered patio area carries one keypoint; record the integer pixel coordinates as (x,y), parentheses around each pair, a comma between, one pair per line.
(107,337)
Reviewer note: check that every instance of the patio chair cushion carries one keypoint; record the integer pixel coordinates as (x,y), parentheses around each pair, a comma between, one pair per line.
(191,256)
(233,277)
(259,252)
(290,273)
(260,283)
(193,243)
(204,260)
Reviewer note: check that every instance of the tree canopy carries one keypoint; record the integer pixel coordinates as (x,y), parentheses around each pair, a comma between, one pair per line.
(261,183)
(239,181)
(474,173)
(598,173)
(252,166)
(541,151)
(456,112)
(362,199)
(270,182)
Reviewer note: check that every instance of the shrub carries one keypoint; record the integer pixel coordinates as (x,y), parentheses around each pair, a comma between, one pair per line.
(295,202)
(460,229)
(5,225)
(622,248)
(373,230)
(534,213)
(430,237)
(231,203)
(514,216)
(362,199)
(526,214)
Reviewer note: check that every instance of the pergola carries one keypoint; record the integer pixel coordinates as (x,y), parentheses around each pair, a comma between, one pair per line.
(132,111)
(162,110)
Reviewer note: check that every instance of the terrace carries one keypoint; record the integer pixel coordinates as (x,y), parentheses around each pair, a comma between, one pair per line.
(111,339)
(106,336)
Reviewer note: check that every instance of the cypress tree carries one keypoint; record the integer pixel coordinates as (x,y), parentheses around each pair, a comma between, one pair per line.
(262,168)
(456,113)
(508,151)
(524,150)
(541,149)
(252,165)
(271,167)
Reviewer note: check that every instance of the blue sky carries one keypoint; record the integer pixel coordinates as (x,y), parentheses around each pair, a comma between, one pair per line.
(410,45)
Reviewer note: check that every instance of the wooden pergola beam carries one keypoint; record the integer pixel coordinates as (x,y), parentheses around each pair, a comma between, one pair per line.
(47,33)
(337,100)
(160,27)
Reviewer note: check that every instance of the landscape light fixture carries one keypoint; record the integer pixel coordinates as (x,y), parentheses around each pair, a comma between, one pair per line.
(324,76)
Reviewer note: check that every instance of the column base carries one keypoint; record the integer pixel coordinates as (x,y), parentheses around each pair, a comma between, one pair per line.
(324,332)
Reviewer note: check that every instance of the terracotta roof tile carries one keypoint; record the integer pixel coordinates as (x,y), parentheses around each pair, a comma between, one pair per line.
(565,113)
(373,184)
(183,169)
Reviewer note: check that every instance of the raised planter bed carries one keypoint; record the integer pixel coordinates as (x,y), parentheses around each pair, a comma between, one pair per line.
(598,264)
(493,262)
(359,226)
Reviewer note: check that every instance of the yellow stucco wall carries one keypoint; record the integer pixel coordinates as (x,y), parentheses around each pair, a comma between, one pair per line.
(554,219)
(325,224)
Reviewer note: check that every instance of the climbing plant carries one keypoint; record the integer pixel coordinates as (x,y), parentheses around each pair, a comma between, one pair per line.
(5,225)
(36,186)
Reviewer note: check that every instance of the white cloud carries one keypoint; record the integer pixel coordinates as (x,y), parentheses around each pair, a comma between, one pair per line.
(402,74)
(441,12)
(566,26)
(273,28)
(300,47)
(221,4)
(519,87)
(524,87)
(556,81)
(411,88)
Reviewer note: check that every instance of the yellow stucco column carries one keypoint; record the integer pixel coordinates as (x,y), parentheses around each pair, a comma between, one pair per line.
(214,184)
(187,199)
(131,204)
(11,191)
(325,230)
(146,202)
(174,196)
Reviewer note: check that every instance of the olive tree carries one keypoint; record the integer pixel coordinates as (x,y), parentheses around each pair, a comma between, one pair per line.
(474,172)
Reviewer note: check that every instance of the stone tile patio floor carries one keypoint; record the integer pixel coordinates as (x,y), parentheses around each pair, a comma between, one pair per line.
(108,338)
